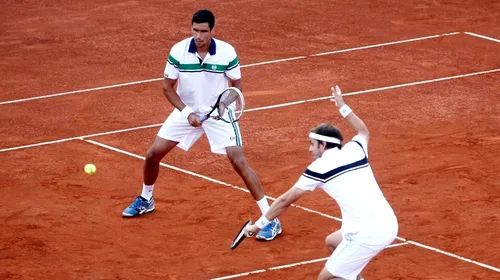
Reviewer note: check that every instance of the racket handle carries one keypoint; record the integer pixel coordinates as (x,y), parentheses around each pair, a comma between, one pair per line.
(203,118)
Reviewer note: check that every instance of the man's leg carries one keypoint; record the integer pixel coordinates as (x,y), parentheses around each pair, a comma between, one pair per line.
(241,166)
(145,202)
(333,240)
(252,182)
(160,148)
(326,275)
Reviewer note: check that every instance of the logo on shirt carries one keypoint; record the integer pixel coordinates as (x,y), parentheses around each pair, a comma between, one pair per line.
(214,67)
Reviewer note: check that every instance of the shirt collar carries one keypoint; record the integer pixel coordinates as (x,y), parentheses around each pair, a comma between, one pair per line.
(331,152)
(211,50)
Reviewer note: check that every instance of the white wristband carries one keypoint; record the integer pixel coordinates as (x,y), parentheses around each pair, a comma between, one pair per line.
(187,111)
(345,110)
(262,222)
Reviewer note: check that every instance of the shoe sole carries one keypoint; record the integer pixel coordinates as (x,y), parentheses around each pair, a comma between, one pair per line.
(262,238)
(126,215)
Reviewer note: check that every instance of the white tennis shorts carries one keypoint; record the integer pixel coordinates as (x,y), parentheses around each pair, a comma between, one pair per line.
(357,249)
(220,134)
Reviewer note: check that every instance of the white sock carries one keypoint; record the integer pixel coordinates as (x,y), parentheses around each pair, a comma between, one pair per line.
(147,191)
(263,205)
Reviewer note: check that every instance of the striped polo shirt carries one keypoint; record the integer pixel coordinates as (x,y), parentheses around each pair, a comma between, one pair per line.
(199,82)
(347,177)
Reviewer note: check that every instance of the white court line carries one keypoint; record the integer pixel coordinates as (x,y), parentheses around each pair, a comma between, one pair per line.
(288,265)
(297,206)
(452,255)
(482,36)
(249,65)
(79,137)
(387,44)
(258,109)
(205,177)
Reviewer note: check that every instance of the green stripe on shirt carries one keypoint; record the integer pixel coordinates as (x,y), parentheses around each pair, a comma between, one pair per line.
(173,60)
(233,62)
(200,67)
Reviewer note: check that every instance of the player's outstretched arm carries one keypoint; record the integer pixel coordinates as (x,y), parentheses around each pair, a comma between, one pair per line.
(279,206)
(357,124)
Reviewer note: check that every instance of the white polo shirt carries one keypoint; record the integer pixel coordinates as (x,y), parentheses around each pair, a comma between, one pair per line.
(347,177)
(199,82)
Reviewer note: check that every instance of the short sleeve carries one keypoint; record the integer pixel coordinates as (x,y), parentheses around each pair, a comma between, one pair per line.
(172,67)
(307,180)
(361,140)
(233,70)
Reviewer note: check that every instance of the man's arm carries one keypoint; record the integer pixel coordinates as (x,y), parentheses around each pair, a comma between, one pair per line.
(175,100)
(357,124)
(277,208)
(171,95)
(236,84)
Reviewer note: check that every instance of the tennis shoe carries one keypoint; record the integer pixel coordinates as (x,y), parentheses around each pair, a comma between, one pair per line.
(139,206)
(270,231)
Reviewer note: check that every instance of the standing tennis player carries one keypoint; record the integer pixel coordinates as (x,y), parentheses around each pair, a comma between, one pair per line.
(202,67)
(343,172)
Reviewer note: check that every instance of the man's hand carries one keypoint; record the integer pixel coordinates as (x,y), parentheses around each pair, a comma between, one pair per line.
(337,96)
(250,230)
(194,120)
(222,108)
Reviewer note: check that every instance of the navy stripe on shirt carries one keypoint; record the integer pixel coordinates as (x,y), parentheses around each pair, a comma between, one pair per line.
(325,177)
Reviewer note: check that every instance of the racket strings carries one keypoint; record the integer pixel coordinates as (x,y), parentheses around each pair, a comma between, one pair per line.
(234,104)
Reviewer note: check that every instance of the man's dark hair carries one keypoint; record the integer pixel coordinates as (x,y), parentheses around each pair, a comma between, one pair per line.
(203,16)
(329,130)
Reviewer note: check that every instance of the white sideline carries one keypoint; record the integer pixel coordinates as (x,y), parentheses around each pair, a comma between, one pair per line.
(288,265)
(249,65)
(482,36)
(258,109)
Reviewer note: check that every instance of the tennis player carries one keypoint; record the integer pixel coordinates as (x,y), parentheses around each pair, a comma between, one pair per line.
(202,68)
(343,172)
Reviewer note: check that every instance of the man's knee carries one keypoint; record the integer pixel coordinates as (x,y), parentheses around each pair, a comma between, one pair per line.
(154,154)
(237,158)
(333,240)
(158,150)
(239,162)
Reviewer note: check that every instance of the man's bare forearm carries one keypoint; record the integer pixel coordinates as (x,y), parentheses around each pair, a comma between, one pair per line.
(237,84)
(356,123)
(171,95)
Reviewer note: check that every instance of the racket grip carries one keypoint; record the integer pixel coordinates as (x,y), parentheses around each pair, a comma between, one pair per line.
(203,118)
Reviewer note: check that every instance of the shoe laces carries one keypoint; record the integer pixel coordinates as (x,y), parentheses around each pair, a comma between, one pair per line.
(139,202)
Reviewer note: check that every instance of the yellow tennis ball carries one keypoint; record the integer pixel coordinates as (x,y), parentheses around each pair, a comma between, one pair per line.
(90,169)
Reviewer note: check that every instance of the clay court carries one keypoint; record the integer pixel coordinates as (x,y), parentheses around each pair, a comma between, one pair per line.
(81,83)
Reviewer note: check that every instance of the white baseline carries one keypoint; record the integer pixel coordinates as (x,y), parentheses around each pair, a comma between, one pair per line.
(249,65)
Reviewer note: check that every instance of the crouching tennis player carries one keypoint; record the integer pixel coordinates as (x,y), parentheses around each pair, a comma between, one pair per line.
(343,172)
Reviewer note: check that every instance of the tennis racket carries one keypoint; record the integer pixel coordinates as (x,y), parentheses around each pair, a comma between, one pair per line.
(240,236)
(229,106)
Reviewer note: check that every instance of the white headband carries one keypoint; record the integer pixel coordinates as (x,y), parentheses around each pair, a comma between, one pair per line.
(324,138)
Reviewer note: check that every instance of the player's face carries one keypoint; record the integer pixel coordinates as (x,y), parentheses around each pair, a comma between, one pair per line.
(201,34)
(316,148)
